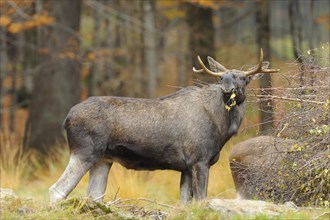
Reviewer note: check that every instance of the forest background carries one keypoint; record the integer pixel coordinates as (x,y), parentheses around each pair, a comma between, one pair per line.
(54,54)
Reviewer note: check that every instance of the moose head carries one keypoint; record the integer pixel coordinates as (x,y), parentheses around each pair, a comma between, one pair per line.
(233,86)
(234,81)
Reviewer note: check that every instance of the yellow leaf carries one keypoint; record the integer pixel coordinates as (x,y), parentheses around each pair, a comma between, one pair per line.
(233,95)
(228,108)
(215,5)
(29,24)
(233,104)
(15,27)
(4,20)
(173,13)
(91,56)
(45,19)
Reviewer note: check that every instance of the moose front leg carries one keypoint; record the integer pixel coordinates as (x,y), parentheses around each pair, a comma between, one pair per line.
(200,177)
(186,192)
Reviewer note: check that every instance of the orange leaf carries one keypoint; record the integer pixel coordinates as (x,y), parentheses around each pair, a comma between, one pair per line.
(15,27)
(4,20)
(91,56)
(213,4)
(29,24)
(323,19)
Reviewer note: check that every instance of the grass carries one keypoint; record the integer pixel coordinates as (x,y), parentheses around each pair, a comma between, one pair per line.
(134,209)
(30,180)
(200,211)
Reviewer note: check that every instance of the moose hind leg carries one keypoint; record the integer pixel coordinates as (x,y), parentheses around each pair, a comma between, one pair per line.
(98,178)
(186,192)
(200,176)
(73,173)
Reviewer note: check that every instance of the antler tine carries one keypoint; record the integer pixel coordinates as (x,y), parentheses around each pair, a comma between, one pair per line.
(206,70)
(197,71)
(259,67)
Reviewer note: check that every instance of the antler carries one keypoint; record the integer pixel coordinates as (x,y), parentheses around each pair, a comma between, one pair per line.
(259,68)
(256,70)
(206,70)
(197,71)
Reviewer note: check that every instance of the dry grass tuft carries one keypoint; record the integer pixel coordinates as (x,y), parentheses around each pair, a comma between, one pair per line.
(13,162)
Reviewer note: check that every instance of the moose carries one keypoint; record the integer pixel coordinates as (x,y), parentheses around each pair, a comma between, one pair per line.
(183,131)
(254,157)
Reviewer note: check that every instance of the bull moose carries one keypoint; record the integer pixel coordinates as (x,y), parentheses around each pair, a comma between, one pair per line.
(183,131)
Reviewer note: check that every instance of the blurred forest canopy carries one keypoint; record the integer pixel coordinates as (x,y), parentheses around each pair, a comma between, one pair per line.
(54,54)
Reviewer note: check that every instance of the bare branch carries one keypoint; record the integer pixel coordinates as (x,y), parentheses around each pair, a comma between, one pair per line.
(289,99)
(19,10)
(319,216)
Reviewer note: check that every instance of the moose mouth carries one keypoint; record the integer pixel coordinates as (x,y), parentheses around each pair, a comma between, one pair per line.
(226,97)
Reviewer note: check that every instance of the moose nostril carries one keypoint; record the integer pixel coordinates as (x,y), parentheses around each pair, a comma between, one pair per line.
(233,90)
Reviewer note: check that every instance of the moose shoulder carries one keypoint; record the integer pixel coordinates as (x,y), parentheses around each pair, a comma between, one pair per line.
(184,131)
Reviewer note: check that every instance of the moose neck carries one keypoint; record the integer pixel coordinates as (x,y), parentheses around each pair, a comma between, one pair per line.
(215,107)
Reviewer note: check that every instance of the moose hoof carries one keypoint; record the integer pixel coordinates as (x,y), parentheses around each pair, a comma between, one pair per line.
(54,195)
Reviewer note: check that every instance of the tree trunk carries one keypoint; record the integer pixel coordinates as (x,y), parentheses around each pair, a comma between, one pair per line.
(56,83)
(3,62)
(202,33)
(108,43)
(94,77)
(150,43)
(263,41)
(311,38)
(229,25)
(296,35)
(138,56)
(182,58)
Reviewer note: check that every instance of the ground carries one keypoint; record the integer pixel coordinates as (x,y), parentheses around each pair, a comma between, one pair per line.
(13,207)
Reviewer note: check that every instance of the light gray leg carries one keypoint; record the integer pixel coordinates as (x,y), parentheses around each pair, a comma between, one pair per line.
(200,176)
(98,178)
(73,173)
(186,192)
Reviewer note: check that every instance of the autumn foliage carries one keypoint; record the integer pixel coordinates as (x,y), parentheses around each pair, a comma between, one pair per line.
(16,22)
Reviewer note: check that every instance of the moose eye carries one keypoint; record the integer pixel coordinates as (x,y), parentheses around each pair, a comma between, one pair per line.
(243,78)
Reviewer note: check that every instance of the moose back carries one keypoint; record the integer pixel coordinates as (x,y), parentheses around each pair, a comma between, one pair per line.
(183,131)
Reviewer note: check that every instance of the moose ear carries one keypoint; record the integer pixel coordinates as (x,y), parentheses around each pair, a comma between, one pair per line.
(256,76)
(215,66)
(265,65)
